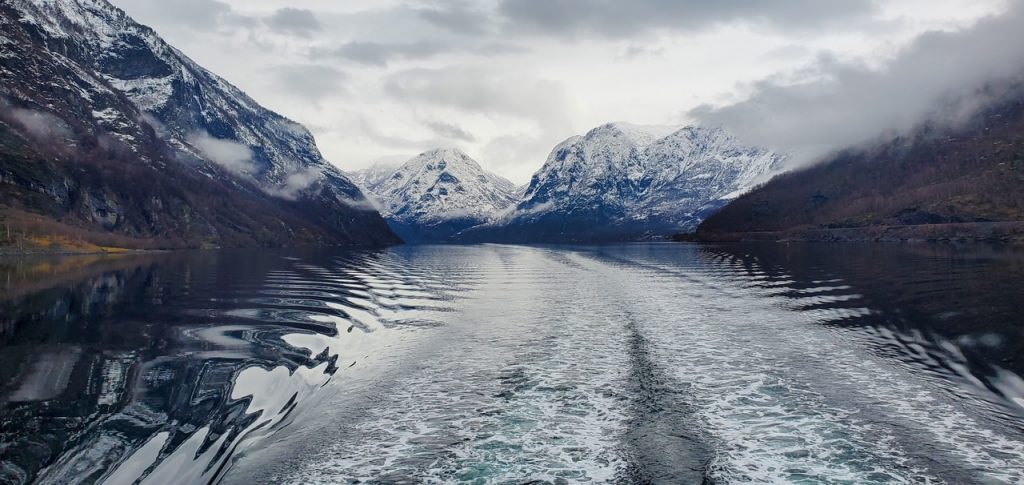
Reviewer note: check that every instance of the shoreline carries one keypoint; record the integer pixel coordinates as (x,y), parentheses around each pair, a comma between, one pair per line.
(1007,233)
(7,252)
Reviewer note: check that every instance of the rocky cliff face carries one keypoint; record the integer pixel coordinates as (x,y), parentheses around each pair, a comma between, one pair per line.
(109,133)
(627,182)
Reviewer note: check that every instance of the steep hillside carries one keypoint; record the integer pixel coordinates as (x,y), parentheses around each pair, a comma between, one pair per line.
(964,182)
(108,135)
(628,182)
(437,194)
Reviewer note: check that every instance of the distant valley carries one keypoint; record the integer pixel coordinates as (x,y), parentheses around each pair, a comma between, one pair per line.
(111,139)
(618,182)
(511,242)
(131,145)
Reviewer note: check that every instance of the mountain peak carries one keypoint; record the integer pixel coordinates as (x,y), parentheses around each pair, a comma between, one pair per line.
(639,135)
(437,193)
(625,181)
(445,152)
(442,159)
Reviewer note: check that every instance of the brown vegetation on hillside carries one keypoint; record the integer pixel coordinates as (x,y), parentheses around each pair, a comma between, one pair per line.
(948,183)
(83,168)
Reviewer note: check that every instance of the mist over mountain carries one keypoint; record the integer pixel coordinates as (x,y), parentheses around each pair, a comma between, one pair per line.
(940,182)
(192,293)
(111,136)
(942,78)
(373,175)
(114,137)
(926,146)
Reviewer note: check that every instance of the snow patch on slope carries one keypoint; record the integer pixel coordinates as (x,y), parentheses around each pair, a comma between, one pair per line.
(435,186)
(620,173)
(643,135)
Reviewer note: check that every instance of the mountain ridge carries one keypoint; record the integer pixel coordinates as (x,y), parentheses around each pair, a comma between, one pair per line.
(126,107)
(625,182)
(437,194)
(938,182)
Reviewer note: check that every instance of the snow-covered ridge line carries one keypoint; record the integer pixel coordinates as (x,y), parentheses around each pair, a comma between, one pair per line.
(85,69)
(184,97)
(622,179)
(619,180)
(437,190)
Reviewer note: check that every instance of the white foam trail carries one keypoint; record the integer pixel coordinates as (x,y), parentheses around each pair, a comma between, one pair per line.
(753,360)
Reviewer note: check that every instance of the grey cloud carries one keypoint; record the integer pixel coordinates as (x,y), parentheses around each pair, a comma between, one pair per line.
(517,155)
(295,21)
(482,91)
(158,127)
(449,130)
(371,132)
(457,17)
(791,52)
(233,156)
(499,49)
(40,124)
(638,51)
(938,77)
(380,53)
(295,183)
(497,95)
(200,15)
(617,18)
(310,81)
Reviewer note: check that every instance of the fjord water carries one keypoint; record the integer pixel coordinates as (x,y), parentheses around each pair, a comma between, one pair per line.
(508,364)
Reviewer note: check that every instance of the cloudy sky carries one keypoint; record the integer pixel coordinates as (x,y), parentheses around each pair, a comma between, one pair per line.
(505,80)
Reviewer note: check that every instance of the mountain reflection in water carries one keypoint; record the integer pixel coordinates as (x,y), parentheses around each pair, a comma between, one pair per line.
(111,365)
(629,363)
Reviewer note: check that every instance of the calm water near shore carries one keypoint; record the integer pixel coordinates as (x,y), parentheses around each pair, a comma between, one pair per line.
(631,363)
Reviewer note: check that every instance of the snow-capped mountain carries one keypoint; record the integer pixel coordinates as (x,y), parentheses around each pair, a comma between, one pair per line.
(437,194)
(373,175)
(119,94)
(622,181)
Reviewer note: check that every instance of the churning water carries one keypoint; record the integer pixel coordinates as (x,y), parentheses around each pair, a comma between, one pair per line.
(511,364)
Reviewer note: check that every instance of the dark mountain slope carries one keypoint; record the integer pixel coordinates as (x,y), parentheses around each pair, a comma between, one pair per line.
(110,136)
(939,183)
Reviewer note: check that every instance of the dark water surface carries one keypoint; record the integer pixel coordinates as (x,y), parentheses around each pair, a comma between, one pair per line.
(511,364)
